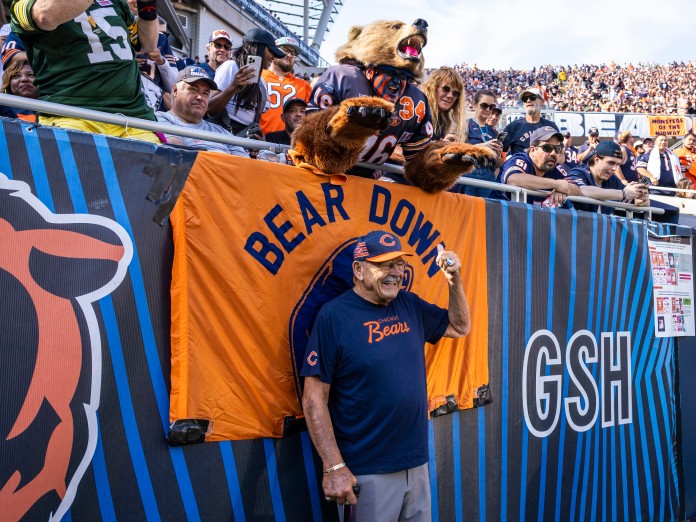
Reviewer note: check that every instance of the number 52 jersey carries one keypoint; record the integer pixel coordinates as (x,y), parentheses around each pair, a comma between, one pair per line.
(411,125)
(87,62)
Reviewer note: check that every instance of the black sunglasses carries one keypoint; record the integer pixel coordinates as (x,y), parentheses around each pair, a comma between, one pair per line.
(448,89)
(226,47)
(530,97)
(488,106)
(548,148)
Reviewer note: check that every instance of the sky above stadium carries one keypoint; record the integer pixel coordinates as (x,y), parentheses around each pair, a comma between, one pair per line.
(522,34)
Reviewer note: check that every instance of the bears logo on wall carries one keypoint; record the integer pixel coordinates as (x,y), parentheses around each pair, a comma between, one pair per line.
(53,268)
(333,278)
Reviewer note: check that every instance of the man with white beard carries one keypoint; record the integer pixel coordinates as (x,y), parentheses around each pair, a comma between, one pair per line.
(519,131)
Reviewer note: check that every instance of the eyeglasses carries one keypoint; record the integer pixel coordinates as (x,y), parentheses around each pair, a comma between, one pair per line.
(447,89)
(226,47)
(488,106)
(548,148)
(530,97)
(388,266)
(289,51)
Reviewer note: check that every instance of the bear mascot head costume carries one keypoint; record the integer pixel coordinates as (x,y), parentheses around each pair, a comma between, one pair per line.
(361,109)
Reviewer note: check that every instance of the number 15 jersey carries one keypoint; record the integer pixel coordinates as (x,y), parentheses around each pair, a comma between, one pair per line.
(411,125)
(86,62)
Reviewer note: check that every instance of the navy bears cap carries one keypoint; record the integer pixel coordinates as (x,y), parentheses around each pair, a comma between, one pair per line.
(378,246)
(608,148)
(258,35)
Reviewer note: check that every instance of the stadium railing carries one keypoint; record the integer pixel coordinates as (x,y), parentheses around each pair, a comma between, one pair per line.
(517,194)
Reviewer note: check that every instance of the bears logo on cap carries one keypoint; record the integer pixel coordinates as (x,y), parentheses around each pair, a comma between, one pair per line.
(387,240)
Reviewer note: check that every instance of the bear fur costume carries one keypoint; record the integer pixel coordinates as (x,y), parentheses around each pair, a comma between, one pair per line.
(361,109)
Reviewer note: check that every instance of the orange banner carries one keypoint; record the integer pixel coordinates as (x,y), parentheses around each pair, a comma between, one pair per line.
(670,126)
(260,246)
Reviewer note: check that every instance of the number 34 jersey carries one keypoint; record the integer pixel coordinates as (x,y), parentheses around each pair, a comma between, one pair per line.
(411,125)
(89,61)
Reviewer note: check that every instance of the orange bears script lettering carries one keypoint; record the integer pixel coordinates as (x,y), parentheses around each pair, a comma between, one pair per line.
(376,334)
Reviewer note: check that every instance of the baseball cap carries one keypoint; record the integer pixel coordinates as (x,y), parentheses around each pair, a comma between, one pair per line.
(258,35)
(298,101)
(608,148)
(5,30)
(544,134)
(378,246)
(648,139)
(290,42)
(638,143)
(497,109)
(593,130)
(531,90)
(192,74)
(220,33)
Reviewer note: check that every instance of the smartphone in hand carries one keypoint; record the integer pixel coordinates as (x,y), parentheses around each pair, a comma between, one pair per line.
(501,137)
(255,62)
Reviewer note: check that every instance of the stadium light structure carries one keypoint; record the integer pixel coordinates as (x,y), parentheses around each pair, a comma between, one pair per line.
(310,19)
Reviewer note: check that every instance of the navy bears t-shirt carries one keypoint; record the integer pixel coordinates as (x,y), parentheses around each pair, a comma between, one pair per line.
(518,133)
(374,359)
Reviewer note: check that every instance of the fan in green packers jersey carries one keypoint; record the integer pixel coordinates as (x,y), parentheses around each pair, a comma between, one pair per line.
(83,55)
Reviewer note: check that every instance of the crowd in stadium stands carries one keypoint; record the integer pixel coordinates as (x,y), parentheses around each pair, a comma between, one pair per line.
(642,88)
(225,94)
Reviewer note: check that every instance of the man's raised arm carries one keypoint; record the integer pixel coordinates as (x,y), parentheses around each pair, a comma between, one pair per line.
(49,14)
(458,309)
(148,27)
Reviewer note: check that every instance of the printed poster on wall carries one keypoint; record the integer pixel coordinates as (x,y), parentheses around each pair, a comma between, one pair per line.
(673,285)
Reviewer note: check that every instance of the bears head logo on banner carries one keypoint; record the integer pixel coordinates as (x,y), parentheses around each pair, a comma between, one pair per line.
(53,268)
(334,277)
